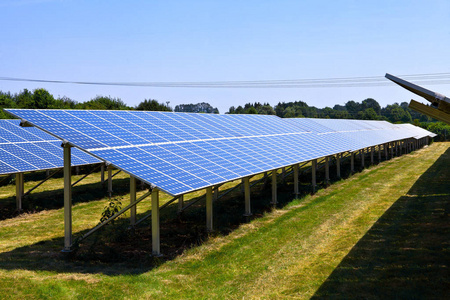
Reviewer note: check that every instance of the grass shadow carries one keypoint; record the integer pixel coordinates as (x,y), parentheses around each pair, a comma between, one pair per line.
(406,253)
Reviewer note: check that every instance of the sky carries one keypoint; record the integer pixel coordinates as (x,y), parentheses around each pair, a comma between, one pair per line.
(208,41)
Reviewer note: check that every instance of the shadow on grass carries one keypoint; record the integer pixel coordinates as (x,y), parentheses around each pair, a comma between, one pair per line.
(53,199)
(116,249)
(406,253)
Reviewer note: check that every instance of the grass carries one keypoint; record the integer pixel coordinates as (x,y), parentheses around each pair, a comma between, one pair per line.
(383,231)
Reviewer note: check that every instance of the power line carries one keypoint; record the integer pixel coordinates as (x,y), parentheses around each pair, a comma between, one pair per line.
(368,81)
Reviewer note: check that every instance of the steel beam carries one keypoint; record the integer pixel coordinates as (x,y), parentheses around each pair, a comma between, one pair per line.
(352,162)
(67,198)
(19,191)
(327,170)
(156,238)
(180,203)
(209,209)
(274,187)
(372,149)
(313,175)
(216,192)
(379,153)
(296,190)
(248,209)
(362,158)
(102,174)
(110,181)
(338,165)
(132,200)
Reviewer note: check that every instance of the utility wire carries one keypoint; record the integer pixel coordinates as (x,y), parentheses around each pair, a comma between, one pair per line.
(372,81)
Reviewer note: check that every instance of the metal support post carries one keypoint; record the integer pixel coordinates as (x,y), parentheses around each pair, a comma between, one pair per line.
(313,175)
(283,174)
(248,210)
(372,149)
(362,158)
(216,192)
(132,200)
(102,174)
(338,165)
(352,162)
(67,198)
(396,148)
(180,203)
(327,170)
(110,181)
(19,191)
(385,151)
(392,150)
(274,188)
(156,241)
(296,191)
(209,209)
(379,153)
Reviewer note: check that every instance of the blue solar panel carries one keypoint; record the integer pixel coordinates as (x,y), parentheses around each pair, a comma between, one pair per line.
(24,149)
(180,152)
(356,134)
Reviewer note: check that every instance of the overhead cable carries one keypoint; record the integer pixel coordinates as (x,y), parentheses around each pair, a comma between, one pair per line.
(368,81)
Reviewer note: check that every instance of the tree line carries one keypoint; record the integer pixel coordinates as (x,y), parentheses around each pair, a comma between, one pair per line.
(368,109)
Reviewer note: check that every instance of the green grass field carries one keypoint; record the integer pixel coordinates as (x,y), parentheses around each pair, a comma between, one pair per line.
(382,233)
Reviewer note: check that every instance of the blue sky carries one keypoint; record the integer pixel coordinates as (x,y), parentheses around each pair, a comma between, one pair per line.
(158,41)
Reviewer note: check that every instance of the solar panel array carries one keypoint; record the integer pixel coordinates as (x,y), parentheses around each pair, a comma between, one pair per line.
(416,131)
(180,152)
(24,149)
(360,134)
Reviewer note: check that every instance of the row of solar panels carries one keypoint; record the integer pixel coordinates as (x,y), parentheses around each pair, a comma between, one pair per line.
(25,149)
(183,152)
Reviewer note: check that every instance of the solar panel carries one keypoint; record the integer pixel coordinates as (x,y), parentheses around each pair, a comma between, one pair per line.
(418,132)
(358,134)
(182,152)
(24,149)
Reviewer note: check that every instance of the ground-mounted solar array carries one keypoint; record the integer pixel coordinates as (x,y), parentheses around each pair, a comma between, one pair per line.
(181,152)
(25,149)
(360,134)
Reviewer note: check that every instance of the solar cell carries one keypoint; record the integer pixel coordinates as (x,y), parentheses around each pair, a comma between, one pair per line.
(24,149)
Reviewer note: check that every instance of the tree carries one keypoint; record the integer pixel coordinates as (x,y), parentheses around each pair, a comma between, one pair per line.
(370,114)
(64,103)
(202,107)
(42,99)
(102,102)
(25,99)
(6,101)
(371,103)
(353,108)
(153,105)
(251,110)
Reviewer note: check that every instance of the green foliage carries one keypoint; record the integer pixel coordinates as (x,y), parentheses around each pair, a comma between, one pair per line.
(253,108)
(440,128)
(102,102)
(202,107)
(6,101)
(113,207)
(153,105)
